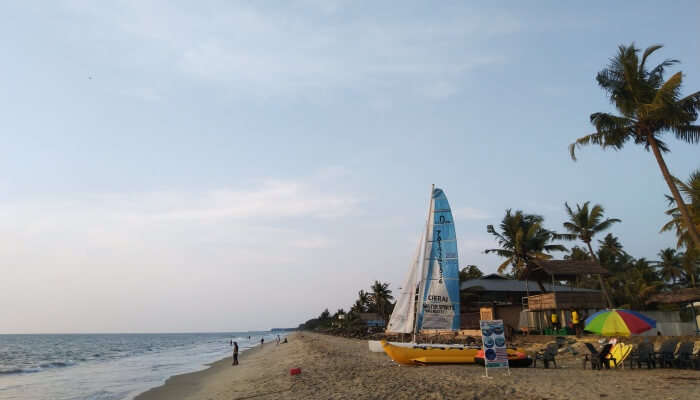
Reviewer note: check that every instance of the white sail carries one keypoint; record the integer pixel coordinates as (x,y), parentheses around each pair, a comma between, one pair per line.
(402,318)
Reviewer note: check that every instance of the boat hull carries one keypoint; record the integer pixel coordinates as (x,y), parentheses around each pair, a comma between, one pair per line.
(516,358)
(430,353)
(375,346)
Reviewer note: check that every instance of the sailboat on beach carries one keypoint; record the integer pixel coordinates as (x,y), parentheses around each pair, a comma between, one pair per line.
(429,299)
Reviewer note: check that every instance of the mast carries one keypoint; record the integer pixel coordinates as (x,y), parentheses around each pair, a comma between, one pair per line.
(421,284)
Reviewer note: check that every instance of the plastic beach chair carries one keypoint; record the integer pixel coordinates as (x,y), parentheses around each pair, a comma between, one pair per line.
(685,355)
(643,354)
(665,355)
(547,355)
(593,358)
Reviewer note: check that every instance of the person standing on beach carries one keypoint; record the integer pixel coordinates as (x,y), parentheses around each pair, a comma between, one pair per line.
(555,321)
(262,341)
(576,322)
(235,353)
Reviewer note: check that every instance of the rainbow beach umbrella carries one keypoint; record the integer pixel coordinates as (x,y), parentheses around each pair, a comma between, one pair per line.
(618,323)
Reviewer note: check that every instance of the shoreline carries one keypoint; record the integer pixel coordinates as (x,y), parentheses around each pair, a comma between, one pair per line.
(186,384)
(341,368)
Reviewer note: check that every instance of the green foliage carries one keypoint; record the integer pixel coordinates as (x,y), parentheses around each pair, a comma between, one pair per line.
(578,253)
(522,238)
(669,266)
(585,222)
(649,107)
(691,191)
(470,272)
(381,298)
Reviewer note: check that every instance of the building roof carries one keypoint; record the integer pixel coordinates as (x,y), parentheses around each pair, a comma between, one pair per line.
(543,270)
(369,316)
(488,284)
(687,295)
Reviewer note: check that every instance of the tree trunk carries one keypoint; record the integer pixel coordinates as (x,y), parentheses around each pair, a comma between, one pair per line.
(600,278)
(674,190)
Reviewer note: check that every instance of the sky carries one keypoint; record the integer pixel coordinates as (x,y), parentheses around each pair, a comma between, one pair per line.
(228,166)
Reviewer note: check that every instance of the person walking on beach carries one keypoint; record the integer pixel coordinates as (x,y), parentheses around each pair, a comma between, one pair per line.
(235,353)
(262,341)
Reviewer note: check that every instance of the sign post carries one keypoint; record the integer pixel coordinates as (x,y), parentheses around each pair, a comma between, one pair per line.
(493,341)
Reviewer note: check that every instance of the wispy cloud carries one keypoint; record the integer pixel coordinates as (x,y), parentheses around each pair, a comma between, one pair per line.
(267,51)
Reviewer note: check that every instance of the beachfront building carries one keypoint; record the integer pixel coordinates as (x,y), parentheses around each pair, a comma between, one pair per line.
(669,322)
(541,306)
(496,296)
(372,321)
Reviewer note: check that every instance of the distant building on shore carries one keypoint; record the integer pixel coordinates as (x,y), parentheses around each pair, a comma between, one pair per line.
(495,296)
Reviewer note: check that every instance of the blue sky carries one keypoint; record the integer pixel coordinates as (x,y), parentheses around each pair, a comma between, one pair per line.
(192,166)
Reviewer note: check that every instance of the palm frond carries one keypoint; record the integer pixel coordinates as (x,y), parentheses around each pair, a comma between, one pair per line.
(504,265)
(605,225)
(554,247)
(646,54)
(687,133)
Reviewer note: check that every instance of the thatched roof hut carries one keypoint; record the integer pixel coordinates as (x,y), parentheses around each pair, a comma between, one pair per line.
(544,270)
(678,296)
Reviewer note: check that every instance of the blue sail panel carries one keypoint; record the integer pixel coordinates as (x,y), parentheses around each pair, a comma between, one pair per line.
(440,299)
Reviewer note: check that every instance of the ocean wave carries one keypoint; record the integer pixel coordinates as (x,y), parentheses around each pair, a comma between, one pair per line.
(11,371)
(57,364)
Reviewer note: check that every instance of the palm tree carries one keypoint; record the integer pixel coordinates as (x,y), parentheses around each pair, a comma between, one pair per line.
(583,224)
(381,295)
(649,107)
(690,265)
(611,245)
(470,272)
(362,303)
(670,265)
(691,189)
(522,238)
(637,287)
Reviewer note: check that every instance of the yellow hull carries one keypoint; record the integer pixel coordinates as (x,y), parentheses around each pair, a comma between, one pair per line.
(431,353)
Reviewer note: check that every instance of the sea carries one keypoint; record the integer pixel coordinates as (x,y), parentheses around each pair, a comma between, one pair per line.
(108,366)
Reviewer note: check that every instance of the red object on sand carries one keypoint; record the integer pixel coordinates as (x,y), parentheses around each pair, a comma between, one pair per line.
(295,371)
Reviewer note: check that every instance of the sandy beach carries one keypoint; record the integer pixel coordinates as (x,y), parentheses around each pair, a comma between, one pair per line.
(340,368)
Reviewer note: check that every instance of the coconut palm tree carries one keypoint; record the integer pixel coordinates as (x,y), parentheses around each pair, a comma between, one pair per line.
(583,224)
(381,296)
(522,238)
(362,303)
(669,265)
(691,190)
(648,107)
(690,265)
(637,286)
(578,253)
(470,272)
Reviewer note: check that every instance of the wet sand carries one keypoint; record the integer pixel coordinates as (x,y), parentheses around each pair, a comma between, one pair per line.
(339,368)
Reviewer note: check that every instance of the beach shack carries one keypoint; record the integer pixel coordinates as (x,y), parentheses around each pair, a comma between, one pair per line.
(373,321)
(541,306)
(685,299)
(496,296)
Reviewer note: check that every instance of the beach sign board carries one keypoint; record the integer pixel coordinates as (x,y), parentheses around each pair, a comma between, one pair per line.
(494,344)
